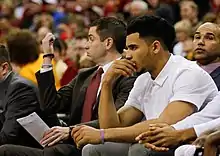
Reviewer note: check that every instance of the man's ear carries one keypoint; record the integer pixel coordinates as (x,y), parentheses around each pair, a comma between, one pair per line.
(156,46)
(5,68)
(109,43)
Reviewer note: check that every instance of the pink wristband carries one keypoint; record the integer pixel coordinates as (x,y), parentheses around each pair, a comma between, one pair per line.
(102,136)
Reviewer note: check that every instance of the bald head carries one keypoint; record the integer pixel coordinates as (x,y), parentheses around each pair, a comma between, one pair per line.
(212,27)
(206,43)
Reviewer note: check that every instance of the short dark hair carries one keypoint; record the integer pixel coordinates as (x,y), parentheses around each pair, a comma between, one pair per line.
(153,27)
(23,47)
(60,45)
(114,28)
(4,55)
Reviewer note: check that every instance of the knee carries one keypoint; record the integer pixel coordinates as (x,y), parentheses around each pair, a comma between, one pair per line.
(137,149)
(4,149)
(89,150)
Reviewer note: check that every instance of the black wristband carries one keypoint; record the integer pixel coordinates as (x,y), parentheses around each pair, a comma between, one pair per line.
(70,130)
(51,55)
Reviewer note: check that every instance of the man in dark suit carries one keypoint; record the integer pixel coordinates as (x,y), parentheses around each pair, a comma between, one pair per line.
(106,41)
(18,98)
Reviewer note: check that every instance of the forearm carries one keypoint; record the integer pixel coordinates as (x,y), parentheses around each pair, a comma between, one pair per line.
(108,117)
(127,134)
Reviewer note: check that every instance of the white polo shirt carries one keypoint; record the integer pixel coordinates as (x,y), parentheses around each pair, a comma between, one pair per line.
(179,80)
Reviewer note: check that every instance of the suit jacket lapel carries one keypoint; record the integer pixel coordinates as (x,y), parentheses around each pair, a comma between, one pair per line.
(4,96)
(80,91)
(215,73)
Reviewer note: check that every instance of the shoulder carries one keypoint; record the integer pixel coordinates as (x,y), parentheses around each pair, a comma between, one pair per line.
(20,82)
(87,71)
(185,66)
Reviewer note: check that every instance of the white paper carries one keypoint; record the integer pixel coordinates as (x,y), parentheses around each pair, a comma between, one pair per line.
(34,125)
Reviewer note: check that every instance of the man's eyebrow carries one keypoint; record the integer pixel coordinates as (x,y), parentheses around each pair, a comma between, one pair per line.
(196,33)
(210,34)
(131,45)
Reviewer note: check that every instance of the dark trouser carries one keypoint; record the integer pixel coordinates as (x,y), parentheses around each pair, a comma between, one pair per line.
(57,150)
(121,149)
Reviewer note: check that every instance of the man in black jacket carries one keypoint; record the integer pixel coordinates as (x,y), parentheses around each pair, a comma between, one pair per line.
(18,98)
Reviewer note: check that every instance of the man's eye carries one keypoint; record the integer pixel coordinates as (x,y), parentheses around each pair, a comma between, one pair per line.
(196,37)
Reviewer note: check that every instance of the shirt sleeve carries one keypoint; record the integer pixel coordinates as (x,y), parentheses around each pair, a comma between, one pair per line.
(197,89)
(44,70)
(141,85)
(209,113)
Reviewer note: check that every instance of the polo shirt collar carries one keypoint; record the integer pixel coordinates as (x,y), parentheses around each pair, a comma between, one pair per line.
(163,75)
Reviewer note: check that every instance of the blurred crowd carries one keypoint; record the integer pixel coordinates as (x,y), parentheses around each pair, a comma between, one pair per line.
(69,21)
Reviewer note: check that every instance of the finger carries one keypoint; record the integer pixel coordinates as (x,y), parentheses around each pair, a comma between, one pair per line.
(48,135)
(150,139)
(149,146)
(142,135)
(159,142)
(129,64)
(48,132)
(49,37)
(81,143)
(123,72)
(153,128)
(155,148)
(123,67)
(74,130)
(55,141)
(78,138)
(51,139)
(160,125)
(77,134)
(147,134)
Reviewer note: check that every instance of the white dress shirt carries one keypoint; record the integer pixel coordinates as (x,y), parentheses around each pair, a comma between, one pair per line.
(209,113)
(179,80)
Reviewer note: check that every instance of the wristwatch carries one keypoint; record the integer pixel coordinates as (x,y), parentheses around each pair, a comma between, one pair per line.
(51,55)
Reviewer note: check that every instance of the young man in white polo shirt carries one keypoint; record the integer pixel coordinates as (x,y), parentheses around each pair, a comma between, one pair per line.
(168,91)
(207,47)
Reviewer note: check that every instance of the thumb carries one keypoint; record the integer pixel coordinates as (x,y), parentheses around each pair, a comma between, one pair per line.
(158,125)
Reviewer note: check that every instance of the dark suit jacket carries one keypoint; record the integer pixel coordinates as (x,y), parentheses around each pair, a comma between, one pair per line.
(19,98)
(70,98)
(216,77)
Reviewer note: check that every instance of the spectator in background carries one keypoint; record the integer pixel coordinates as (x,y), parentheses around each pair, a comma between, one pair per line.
(59,65)
(41,33)
(63,64)
(209,17)
(183,47)
(138,8)
(189,11)
(42,20)
(218,18)
(25,52)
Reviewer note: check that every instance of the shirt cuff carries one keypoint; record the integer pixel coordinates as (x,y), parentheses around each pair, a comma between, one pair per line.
(44,70)
(201,128)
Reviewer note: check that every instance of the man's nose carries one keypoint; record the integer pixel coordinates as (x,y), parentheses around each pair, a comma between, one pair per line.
(201,41)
